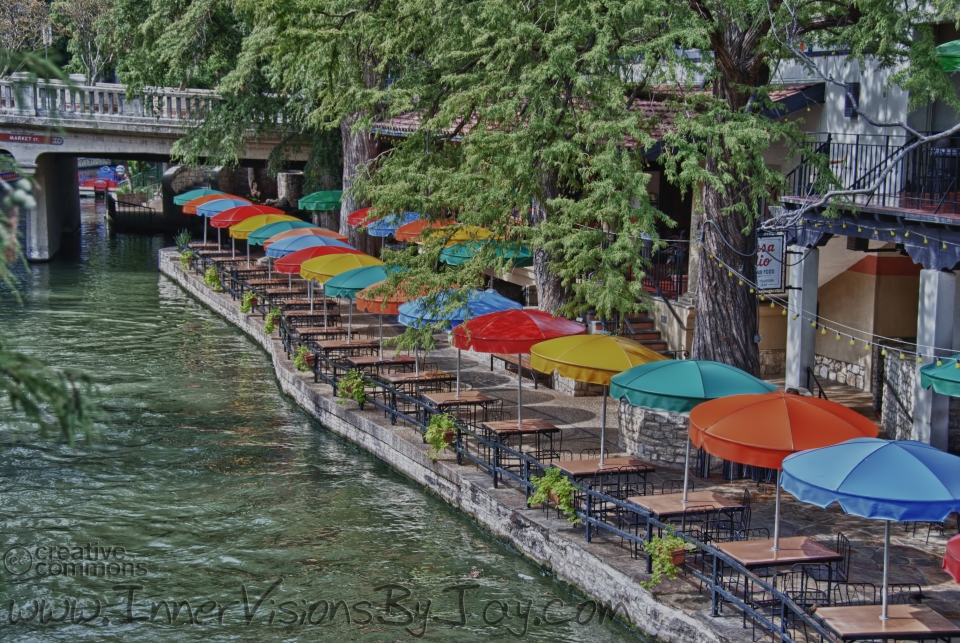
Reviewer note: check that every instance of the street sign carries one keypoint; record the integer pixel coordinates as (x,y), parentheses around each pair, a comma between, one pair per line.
(770,265)
(32,138)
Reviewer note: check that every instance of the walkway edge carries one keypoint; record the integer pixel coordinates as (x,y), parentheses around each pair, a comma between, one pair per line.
(568,558)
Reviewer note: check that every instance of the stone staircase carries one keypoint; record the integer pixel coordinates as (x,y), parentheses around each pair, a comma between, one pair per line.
(640,328)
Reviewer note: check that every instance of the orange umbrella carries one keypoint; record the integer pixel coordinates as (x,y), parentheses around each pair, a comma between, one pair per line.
(306,232)
(191,206)
(412,231)
(384,304)
(761,430)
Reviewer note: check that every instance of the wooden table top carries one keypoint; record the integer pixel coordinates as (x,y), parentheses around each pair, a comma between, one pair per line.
(337,344)
(793,549)
(422,376)
(321,330)
(452,399)
(668,505)
(510,427)
(591,466)
(376,360)
(857,622)
(267,282)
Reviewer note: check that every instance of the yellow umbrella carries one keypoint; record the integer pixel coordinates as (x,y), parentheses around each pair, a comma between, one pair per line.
(593,359)
(327,267)
(243,229)
(468,233)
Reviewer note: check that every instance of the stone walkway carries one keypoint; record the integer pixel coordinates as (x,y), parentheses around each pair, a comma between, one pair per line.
(913,559)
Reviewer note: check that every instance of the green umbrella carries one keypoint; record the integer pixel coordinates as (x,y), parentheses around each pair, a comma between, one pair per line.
(459,253)
(945,378)
(262,234)
(182,199)
(679,385)
(328,200)
(949,56)
(349,283)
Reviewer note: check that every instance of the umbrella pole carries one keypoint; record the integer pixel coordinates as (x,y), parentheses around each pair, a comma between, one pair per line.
(416,359)
(603,422)
(776,519)
(233,248)
(886,567)
(686,472)
(310,294)
(248,253)
(458,372)
(381,334)
(519,391)
(219,243)
(349,320)
(204,230)
(290,280)
(325,306)
(269,269)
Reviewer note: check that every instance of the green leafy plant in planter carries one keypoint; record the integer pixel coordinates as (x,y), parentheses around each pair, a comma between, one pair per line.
(300,359)
(186,259)
(271,319)
(212,278)
(248,301)
(666,553)
(182,240)
(350,387)
(439,434)
(557,488)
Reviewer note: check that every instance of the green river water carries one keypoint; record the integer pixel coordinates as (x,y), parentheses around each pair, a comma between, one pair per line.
(209,496)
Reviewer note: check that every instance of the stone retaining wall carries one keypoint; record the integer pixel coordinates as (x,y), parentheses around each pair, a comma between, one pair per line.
(773,363)
(570,558)
(834,370)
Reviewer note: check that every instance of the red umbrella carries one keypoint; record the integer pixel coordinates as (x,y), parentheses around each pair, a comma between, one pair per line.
(359,217)
(291,263)
(951,560)
(233,216)
(510,331)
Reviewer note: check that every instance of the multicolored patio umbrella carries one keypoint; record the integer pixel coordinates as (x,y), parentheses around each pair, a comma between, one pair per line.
(468,233)
(234,216)
(513,332)
(889,480)
(762,430)
(943,376)
(295,244)
(951,559)
(190,207)
(459,253)
(212,208)
(387,225)
(383,304)
(593,359)
(348,284)
(324,268)
(290,264)
(321,201)
(186,197)
(949,53)
(359,217)
(305,232)
(412,231)
(259,236)
(243,229)
(680,385)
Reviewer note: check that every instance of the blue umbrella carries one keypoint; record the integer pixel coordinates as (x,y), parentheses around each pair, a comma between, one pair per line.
(290,245)
(212,208)
(423,312)
(899,480)
(389,224)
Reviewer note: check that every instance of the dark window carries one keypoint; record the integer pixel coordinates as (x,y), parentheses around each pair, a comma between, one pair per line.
(848,109)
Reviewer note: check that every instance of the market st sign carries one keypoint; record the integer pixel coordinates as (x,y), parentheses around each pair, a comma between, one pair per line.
(32,139)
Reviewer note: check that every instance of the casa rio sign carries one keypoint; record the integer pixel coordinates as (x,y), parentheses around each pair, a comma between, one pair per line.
(32,139)
(770,266)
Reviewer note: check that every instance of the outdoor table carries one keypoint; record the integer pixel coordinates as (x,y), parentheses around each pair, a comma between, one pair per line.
(200,245)
(906,623)
(283,291)
(465,405)
(348,347)
(671,505)
(256,283)
(580,469)
(411,384)
(793,549)
(543,433)
(330,332)
(375,362)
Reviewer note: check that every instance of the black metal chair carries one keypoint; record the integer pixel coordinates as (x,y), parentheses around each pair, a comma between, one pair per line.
(844,594)
(838,572)
(676,486)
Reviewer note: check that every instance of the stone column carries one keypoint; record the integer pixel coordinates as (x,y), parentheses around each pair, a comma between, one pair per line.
(57,213)
(801,335)
(935,328)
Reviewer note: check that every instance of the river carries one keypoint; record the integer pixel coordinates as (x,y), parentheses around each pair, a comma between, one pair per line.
(210,506)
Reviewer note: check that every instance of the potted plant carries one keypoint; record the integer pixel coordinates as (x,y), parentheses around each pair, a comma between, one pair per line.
(557,488)
(304,359)
(440,434)
(351,386)
(182,240)
(667,553)
(187,258)
(271,319)
(212,278)
(248,301)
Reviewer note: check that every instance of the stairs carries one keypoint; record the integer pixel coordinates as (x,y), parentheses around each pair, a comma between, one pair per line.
(640,328)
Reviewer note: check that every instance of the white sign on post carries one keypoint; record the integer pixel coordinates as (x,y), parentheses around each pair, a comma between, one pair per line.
(770,266)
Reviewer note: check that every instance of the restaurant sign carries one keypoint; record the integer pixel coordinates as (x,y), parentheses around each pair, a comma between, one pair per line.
(32,138)
(770,265)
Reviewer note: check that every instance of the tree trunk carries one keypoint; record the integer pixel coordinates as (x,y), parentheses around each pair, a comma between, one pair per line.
(551,295)
(358,150)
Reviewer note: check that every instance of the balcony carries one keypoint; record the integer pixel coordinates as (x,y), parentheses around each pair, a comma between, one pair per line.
(924,182)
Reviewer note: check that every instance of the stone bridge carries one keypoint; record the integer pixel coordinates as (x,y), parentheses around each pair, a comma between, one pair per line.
(46,125)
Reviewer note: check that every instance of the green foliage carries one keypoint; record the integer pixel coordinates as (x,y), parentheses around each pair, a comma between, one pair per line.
(556,487)
(246,302)
(270,320)
(300,359)
(187,257)
(182,240)
(660,549)
(350,386)
(212,279)
(440,425)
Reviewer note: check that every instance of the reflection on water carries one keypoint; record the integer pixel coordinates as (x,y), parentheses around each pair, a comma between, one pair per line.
(212,506)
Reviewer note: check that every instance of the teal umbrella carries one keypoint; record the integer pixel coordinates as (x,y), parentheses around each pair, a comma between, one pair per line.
(679,385)
(943,378)
(182,199)
(949,56)
(262,234)
(327,200)
(459,253)
(348,284)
